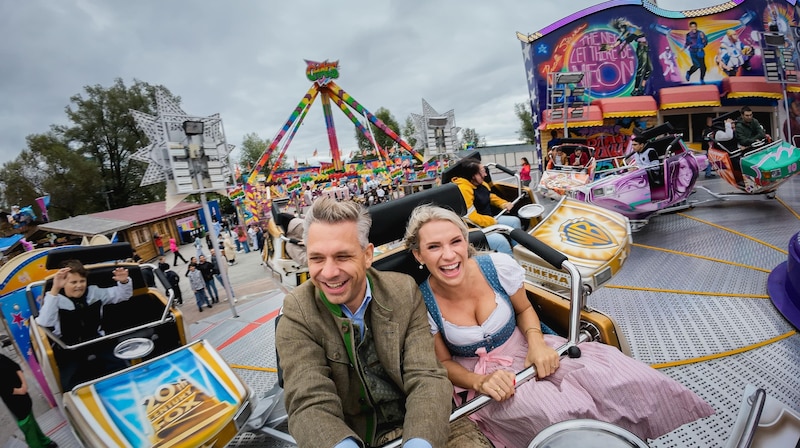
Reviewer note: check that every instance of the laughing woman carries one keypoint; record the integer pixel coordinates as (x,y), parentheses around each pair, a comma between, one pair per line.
(485,330)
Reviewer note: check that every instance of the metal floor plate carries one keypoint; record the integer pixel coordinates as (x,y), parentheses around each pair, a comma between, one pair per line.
(717,247)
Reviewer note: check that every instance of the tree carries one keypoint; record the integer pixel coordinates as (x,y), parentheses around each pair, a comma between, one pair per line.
(251,150)
(104,131)
(472,138)
(381,139)
(409,132)
(49,166)
(526,131)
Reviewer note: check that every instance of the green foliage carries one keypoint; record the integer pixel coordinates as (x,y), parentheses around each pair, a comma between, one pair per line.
(408,132)
(49,166)
(104,131)
(382,139)
(526,131)
(251,150)
(471,137)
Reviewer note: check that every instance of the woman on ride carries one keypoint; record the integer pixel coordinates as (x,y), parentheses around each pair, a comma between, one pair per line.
(485,330)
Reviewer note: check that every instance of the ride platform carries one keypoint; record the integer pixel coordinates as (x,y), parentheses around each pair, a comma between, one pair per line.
(691,301)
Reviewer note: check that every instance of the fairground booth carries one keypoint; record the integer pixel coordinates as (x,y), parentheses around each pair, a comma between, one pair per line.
(624,64)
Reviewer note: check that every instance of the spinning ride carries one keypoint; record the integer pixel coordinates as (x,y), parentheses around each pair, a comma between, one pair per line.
(642,193)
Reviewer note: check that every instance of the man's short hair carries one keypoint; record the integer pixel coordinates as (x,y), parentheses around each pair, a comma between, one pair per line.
(330,211)
(692,23)
(745,109)
(640,140)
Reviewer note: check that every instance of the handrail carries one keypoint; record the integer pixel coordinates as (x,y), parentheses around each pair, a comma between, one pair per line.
(482,400)
(756,402)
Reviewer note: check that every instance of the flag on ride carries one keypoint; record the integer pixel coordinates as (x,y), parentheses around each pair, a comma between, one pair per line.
(44,203)
(315,153)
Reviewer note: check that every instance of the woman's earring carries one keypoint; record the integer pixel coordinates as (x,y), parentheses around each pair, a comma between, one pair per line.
(421,266)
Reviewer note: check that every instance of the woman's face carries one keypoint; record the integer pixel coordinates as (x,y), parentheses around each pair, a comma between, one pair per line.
(443,249)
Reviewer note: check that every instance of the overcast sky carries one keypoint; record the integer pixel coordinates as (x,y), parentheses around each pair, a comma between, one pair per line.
(245,59)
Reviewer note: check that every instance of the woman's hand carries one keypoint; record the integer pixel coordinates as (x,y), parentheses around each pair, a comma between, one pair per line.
(499,385)
(544,358)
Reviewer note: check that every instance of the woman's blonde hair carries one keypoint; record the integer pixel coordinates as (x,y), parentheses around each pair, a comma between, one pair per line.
(426,213)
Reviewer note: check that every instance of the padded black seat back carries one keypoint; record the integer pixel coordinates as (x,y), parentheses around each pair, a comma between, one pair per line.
(389,219)
(389,223)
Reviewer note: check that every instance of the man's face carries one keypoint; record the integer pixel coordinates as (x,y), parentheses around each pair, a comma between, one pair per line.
(76,285)
(692,28)
(337,263)
(747,116)
(638,147)
(202,258)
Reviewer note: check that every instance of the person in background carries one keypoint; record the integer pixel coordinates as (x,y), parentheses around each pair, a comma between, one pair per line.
(242,237)
(14,392)
(478,198)
(198,284)
(579,158)
(355,348)
(486,330)
(173,247)
(159,241)
(174,280)
(198,245)
(207,269)
(642,156)
(228,249)
(748,129)
(707,135)
(525,172)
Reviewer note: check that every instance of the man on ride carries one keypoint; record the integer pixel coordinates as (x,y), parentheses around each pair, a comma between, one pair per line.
(643,157)
(748,129)
(479,199)
(356,350)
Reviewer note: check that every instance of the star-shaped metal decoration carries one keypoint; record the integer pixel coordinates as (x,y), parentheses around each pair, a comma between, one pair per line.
(421,129)
(165,130)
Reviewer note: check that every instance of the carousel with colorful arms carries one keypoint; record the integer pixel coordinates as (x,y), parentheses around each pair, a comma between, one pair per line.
(646,191)
(138,383)
(756,169)
(322,75)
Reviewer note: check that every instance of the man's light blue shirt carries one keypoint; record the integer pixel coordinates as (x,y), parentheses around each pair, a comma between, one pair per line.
(358,319)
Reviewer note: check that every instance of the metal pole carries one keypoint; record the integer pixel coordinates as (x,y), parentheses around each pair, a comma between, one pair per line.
(207,214)
(566,109)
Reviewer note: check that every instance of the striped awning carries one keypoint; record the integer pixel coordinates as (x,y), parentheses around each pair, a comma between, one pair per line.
(554,118)
(688,96)
(734,87)
(627,106)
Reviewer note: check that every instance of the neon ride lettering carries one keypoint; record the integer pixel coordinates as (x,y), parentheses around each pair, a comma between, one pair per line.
(556,62)
(611,71)
(322,72)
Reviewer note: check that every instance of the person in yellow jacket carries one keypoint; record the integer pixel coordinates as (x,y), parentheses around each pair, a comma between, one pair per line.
(479,200)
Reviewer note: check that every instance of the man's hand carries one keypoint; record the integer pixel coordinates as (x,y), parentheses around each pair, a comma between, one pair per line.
(120,275)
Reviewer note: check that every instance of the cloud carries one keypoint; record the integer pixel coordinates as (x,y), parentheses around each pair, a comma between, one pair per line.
(244,59)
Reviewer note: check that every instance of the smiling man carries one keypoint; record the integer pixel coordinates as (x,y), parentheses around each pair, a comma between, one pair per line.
(354,343)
